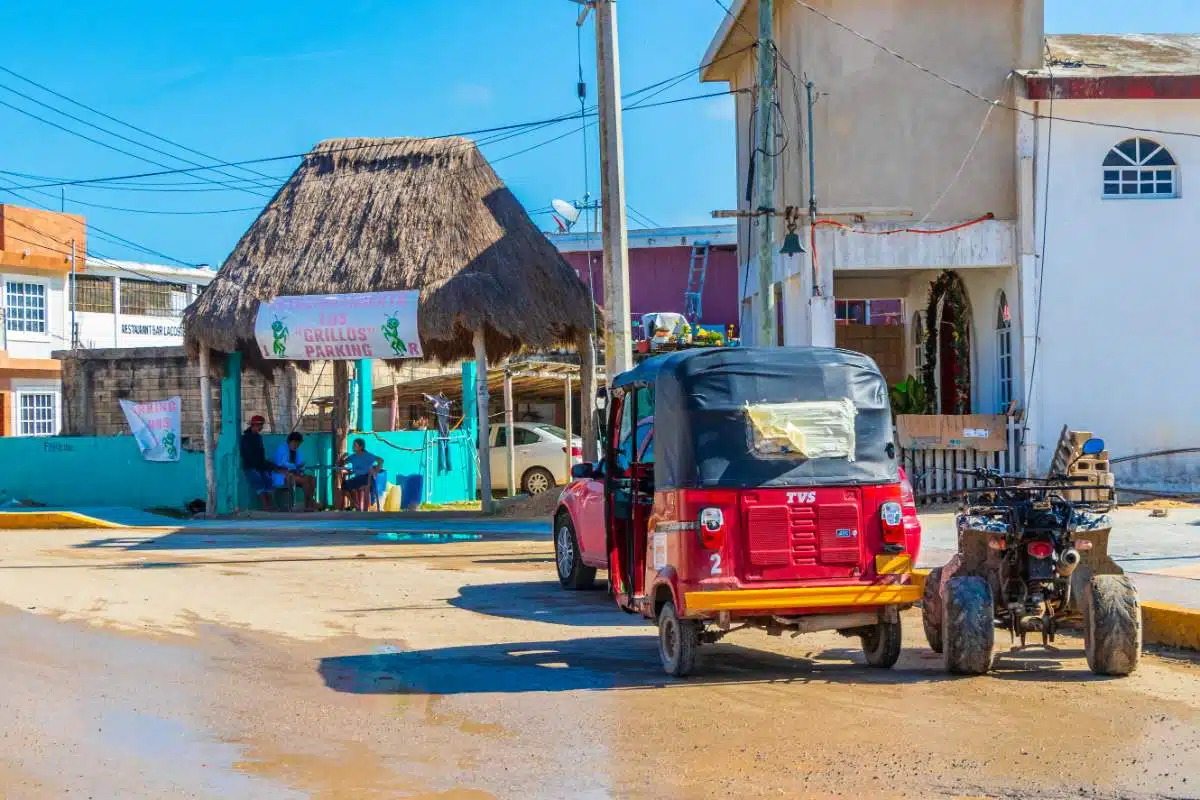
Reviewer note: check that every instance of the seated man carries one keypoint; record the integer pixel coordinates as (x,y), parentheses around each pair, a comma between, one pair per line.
(362,467)
(290,470)
(254,461)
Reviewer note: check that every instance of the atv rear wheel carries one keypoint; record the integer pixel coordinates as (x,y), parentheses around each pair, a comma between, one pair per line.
(931,609)
(968,626)
(881,644)
(1112,625)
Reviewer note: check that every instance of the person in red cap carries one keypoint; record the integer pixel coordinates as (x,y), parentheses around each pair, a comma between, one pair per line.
(254,461)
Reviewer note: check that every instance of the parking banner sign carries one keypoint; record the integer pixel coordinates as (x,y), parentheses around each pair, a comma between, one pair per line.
(155,427)
(339,326)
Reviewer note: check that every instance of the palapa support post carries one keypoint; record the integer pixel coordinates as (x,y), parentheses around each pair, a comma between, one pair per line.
(587,398)
(481,405)
(229,466)
(510,450)
(341,419)
(206,416)
(569,424)
(366,395)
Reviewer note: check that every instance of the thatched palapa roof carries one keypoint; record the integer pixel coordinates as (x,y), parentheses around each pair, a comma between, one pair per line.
(366,215)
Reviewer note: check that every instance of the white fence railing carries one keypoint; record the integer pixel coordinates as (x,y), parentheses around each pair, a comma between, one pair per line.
(936,475)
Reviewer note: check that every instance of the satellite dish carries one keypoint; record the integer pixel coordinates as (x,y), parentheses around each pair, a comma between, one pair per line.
(565,210)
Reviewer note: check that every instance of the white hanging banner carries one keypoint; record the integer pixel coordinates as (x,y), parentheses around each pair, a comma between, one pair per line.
(155,427)
(322,327)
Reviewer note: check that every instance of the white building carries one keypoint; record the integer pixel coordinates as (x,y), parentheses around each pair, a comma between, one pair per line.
(898,149)
(129,304)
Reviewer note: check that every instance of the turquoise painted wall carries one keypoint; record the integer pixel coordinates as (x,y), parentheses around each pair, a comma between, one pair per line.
(95,471)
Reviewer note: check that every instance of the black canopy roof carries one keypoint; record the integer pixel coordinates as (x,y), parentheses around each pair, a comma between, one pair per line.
(701,429)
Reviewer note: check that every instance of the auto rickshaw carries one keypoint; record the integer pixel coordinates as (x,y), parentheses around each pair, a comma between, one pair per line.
(759,487)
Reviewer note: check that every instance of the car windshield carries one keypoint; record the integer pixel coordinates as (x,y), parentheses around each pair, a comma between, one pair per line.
(553,430)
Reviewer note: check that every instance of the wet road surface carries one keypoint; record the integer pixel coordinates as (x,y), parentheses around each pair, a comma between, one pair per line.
(335,666)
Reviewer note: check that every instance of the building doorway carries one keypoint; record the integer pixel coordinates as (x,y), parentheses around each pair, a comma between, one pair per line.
(949,322)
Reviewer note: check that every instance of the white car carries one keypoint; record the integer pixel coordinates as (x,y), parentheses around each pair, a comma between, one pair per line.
(540,456)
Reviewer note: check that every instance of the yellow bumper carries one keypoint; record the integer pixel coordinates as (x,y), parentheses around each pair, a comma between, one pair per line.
(809,597)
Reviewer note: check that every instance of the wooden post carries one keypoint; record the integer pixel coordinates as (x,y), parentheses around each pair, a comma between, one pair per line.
(481,405)
(341,419)
(568,424)
(206,415)
(395,402)
(587,398)
(510,445)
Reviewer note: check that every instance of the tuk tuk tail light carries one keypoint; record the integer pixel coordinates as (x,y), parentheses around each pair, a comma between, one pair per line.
(711,528)
(891,515)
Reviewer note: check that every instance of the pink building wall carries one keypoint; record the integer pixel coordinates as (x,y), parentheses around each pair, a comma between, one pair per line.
(658,278)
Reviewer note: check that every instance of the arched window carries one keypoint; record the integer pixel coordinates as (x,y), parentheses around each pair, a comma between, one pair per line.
(1004,373)
(1138,168)
(918,340)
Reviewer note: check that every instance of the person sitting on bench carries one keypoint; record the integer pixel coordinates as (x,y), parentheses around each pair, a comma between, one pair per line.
(290,470)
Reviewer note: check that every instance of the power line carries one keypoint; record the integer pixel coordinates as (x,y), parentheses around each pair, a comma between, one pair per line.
(100,113)
(106,145)
(268,159)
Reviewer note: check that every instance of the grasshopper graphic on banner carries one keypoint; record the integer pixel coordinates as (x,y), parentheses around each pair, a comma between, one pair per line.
(339,326)
(155,427)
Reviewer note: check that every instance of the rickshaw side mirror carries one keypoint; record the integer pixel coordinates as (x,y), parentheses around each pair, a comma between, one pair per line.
(585,469)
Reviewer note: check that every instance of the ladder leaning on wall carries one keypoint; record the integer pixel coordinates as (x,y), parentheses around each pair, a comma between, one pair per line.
(693,295)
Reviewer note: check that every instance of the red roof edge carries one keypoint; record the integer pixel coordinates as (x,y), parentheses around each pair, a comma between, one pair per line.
(1114,87)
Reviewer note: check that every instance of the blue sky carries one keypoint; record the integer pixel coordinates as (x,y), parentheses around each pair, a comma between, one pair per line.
(244,80)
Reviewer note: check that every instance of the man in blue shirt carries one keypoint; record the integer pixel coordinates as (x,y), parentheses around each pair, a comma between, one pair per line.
(290,470)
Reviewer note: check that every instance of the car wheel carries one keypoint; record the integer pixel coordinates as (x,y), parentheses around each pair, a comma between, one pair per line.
(572,572)
(537,480)
(678,641)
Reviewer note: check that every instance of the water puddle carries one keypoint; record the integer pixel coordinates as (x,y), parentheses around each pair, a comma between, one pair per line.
(430,538)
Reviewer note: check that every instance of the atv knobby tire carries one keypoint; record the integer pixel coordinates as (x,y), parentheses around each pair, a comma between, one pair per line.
(931,609)
(1112,625)
(968,626)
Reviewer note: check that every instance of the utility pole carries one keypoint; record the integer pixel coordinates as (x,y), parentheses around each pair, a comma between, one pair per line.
(764,171)
(618,344)
(74,286)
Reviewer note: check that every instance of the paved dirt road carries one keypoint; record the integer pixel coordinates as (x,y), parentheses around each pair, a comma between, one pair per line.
(206,665)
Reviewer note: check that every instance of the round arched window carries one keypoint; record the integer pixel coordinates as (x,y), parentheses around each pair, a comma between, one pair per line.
(1140,168)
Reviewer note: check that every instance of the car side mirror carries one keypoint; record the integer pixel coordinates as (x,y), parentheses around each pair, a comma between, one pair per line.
(1092,447)
(583,470)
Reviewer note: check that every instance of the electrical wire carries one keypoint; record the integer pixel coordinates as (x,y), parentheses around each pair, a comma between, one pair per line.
(114,148)
(128,125)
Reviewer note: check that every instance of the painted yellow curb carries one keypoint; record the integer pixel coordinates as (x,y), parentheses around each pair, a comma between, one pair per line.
(50,520)
(1170,625)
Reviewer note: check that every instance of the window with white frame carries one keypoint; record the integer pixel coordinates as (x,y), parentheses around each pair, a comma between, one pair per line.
(1140,168)
(37,413)
(25,307)
(1004,373)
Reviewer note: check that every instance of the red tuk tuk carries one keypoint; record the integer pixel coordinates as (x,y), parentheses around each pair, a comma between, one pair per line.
(747,487)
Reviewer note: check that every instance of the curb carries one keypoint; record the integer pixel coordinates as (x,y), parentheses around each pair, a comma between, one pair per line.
(51,520)
(1162,623)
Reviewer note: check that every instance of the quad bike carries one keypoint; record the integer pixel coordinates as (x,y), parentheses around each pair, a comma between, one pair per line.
(1029,559)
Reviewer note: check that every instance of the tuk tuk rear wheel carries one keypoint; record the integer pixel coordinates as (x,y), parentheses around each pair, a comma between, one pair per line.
(572,572)
(881,644)
(678,640)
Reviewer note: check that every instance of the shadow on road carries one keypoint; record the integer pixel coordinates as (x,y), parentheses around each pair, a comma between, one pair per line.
(543,601)
(596,663)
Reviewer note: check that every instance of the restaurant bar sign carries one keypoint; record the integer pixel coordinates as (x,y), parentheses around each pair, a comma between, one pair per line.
(339,326)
